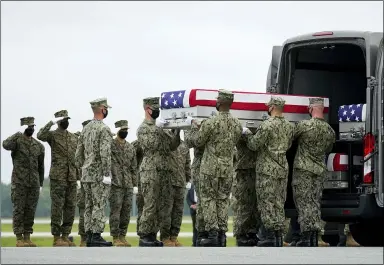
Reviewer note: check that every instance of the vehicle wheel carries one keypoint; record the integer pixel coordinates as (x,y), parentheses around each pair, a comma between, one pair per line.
(368,233)
(332,240)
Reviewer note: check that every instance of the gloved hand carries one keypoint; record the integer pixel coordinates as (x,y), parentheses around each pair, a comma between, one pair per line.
(160,123)
(78,184)
(107,180)
(188,186)
(56,120)
(41,188)
(189,120)
(246,131)
(135,190)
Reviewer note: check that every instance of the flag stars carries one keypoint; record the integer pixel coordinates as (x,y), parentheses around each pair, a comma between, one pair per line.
(348,119)
(166,103)
(353,112)
(163,95)
(342,107)
(357,119)
(180,95)
(172,95)
(344,112)
(350,106)
(174,102)
(358,105)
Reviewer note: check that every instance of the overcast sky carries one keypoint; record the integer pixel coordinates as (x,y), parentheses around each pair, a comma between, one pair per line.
(61,55)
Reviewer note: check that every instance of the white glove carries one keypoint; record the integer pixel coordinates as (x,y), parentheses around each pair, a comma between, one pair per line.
(78,184)
(56,120)
(230,195)
(189,120)
(246,131)
(160,123)
(41,188)
(107,180)
(188,186)
(135,190)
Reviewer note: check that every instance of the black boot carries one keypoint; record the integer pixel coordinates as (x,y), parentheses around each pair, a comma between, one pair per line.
(314,239)
(252,239)
(99,241)
(242,241)
(222,239)
(305,240)
(211,241)
(88,235)
(295,239)
(200,236)
(269,240)
(279,239)
(146,241)
(342,241)
(155,241)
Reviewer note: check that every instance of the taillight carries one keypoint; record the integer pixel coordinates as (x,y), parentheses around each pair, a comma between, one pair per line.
(323,33)
(369,148)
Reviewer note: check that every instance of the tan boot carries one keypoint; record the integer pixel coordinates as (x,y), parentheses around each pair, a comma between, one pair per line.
(58,242)
(351,241)
(27,240)
(175,241)
(117,242)
(83,241)
(66,240)
(321,243)
(168,243)
(20,241)
(285,244)
(124,241)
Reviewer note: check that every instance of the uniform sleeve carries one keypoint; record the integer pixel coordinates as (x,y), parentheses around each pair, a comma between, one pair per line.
(45,134)
(10,143)
(134,167)
(330,144)
(189,138)
(188,167)
(259,138)
(146,139)
(298,130)
(173,138)
(79,155)
(41,165)
(201,136)
(105,151)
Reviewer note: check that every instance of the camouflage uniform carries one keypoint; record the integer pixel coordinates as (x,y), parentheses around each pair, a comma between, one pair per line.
(247,216)
(315,138)
(219,136)
(173,201)
(139,195)
(154,173)
(233,200)
(27,178)
(124,168)
(93,155)
(81,199)
(271,142)
(63,176)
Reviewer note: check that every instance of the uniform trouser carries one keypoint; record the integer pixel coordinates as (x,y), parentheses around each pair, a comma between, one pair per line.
(200,225)
(96,196)
(214,199)
(81,206)
(193,216)
(140,205)
(63,206)
(120,203)
(233,205)
(24,202)
(173,213)
(271,192)
(247,214)
(307,191)
(153,185)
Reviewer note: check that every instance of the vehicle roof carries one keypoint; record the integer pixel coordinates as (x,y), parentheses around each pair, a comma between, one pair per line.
(336,34)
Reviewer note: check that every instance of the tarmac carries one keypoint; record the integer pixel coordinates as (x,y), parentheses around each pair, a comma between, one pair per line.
(231,255)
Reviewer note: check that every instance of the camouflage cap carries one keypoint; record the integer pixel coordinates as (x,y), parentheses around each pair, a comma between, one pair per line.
(225,95)
(152,102)
(122,124)
(276,101)
(62,114)
(29,121)
(316,101)
(100,102)
(85,122)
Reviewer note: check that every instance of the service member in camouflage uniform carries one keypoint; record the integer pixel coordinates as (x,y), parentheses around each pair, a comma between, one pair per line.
(27,179)
(154,170)
(124,169)
(180,163)
(81,200)
(93,155)
(219,136)
(315,139)
(63,176)
(271,142)
(195,171)
(136,190)
(247,216)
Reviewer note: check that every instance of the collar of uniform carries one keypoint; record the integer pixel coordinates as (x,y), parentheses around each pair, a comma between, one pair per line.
(149,122)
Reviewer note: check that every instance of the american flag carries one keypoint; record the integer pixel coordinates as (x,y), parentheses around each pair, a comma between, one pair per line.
(251,101)
(172,99)
(352,113)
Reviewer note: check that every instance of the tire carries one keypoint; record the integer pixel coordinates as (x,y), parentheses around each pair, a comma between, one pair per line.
(368,232)
(332,240)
